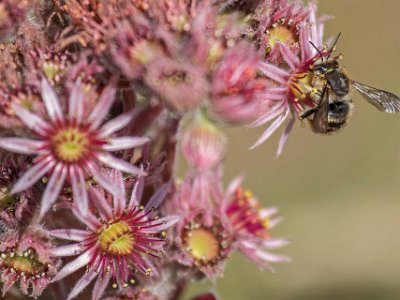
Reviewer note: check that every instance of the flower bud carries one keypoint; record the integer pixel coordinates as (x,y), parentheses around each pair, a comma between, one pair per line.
(203,144)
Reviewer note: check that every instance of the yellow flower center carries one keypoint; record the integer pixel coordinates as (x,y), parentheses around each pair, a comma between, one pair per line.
(23,263)
(71,145)
(117,239)
(301,85)
(280,34)
(203,245)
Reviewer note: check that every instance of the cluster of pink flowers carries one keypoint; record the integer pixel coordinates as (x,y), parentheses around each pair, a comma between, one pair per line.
(98,98)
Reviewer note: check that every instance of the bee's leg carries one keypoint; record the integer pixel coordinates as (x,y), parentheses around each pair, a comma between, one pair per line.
(307,113)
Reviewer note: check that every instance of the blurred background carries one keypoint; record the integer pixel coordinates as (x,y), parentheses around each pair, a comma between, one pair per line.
(339,195)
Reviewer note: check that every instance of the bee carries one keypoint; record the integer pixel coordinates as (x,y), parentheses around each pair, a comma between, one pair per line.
(335,106)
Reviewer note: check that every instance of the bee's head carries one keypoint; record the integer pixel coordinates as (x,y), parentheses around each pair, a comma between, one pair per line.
(326,67)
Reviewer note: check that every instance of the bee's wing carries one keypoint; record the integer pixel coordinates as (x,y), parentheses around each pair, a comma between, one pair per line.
(319,123)
(384,101)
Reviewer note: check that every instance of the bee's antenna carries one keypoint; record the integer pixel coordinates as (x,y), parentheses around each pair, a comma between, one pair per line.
(319,51)
(333,46)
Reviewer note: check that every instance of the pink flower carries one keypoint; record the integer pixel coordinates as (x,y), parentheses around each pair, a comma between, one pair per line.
(215,222)
(251,225)
(26,258)
(72,147)
(203,241)
(292,88)
(277,22)
(121,237)
(181,86)
(237,92)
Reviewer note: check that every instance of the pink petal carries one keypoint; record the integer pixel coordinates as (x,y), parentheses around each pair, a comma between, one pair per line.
(53,188)
(51,102)
(271,129)
(21,145)
(285,136)
(275,243)
(79,191)
(69,234)
(120,164)
(269,115)
(158,197)
(67,250)
(166,223)
(103,207)
(33,175)
(76,102)
(125,142)
(233,186)
(100,286)
(31,120)
(274,222)
(82,283)
(306,50)
(274,72)
(103,181)
(118,203)
(74,265)
(117,123)
(272,257)
(137,193)
(100,111)
(275,93)
(291,59)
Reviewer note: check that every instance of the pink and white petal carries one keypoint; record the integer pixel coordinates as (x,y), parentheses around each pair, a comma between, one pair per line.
(75,109)
(125,142)
(33,175)
(275,243)
(82,283)
(233,186)
(269,115)
(102,180)
(158,197)
(70,234)
(67,250)
(117,123)
(273,258)
(285,136)
(31,120)
(51,102)
(275,93)
(120,164)
(21,145)
(74,265)
(100,286)
(291,59)
(274,73)
(274,222)
(102,108)
(53,188)
(102,205)
(137,193)
(268,212)
(79,189)
(271,129)
(165,223)
(118,203)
